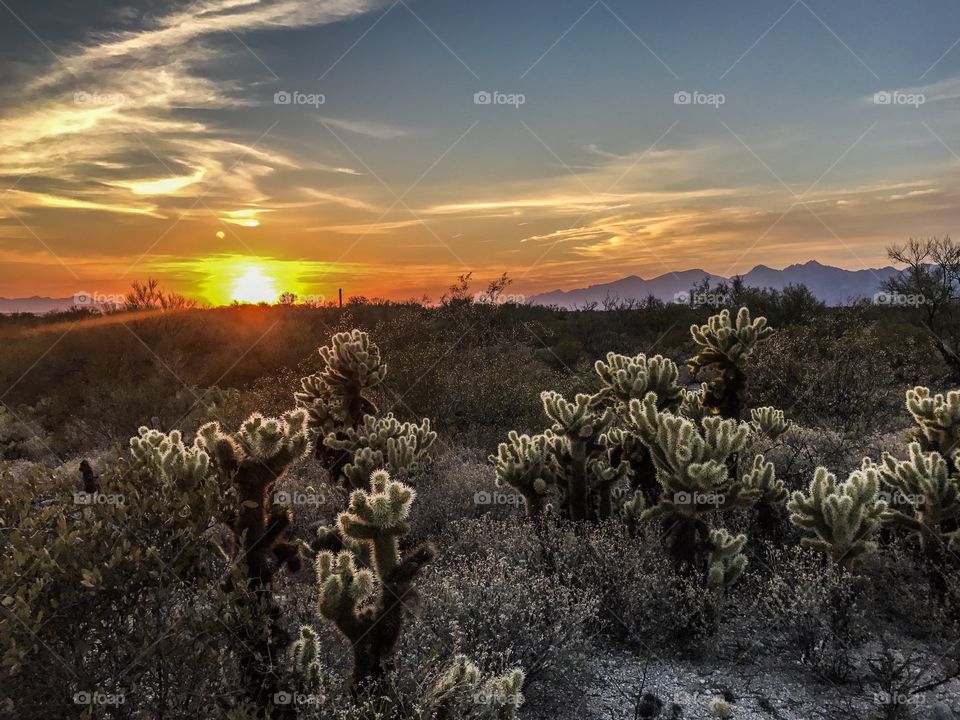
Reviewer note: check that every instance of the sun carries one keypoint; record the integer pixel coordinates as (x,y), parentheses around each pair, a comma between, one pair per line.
(254,286)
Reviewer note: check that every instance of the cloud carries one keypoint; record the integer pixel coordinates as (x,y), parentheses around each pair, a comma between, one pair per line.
(139,113)
(375,130)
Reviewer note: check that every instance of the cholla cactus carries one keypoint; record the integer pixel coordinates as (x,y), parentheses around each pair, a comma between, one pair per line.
(382,443)
(627,378)
(726,345)
(771,496)
(334,397)
(168,458)
(769,422)
(368,606)
(720,708)
(580,465)
(938,421)
(306,672)
(844,517)
(254,459)
(725,560)
(462,693)
(926,486)
(692,405)
(692,468)
(525,463)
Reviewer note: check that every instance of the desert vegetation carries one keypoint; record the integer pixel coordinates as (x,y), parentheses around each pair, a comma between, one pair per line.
(480,510)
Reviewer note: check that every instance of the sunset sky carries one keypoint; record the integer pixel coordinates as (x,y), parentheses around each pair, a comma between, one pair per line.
(146,140)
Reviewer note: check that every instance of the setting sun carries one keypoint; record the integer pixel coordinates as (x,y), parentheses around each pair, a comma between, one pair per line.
(254,287)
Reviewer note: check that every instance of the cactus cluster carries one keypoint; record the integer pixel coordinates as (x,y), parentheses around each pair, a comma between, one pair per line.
(463,693)
(351,439)
(644,447)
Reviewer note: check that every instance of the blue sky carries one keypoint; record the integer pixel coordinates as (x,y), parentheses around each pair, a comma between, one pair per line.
(146,140)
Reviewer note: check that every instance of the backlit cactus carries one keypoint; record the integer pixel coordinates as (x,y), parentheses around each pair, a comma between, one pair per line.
(768,422)
(725,560)
(938,421)
(926,495)
(844,517)
(462,693)
(335,397)
(726,344)
(525,464)
(368,605)
(627,378)
(692,468)
(382,443)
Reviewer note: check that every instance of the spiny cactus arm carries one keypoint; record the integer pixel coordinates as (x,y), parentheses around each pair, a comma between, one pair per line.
(633,377)
(583,418)
(378,519)
(343,590)
(843,516)
(305,667)
(692,406)
(462,692)
(725,560)
(769,422)
(525,463)
(274,442)
(937,418)
(925,485)
(762,478)
(167,455)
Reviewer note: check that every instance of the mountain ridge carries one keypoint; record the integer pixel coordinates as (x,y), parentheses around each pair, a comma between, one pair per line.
(832,285)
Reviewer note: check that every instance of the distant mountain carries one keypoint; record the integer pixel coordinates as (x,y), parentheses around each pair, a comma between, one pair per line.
(35,305)
(832,285)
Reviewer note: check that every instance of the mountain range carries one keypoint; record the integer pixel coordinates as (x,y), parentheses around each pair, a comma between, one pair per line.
(832,285)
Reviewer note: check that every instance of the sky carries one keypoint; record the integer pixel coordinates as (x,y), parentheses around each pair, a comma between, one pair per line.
(387,147)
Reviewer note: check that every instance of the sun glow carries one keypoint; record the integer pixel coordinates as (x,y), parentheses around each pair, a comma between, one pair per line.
(255,286)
